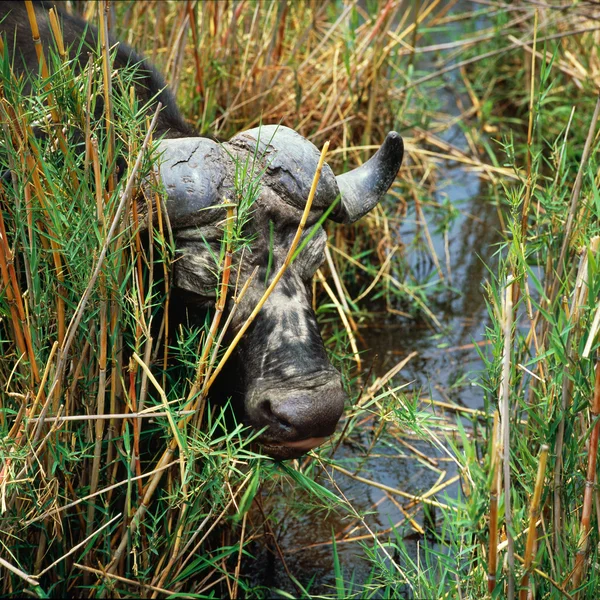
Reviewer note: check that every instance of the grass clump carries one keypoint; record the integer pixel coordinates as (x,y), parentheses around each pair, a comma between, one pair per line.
(503,498)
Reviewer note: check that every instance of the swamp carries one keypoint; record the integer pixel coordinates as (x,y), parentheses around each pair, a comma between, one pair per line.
(462,312)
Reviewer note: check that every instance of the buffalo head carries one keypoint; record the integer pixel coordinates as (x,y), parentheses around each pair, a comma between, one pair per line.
(290,389)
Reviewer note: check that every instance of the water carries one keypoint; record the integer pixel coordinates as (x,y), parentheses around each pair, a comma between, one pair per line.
(444,369)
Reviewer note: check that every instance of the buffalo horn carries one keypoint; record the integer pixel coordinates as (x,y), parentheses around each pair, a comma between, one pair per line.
(362,188)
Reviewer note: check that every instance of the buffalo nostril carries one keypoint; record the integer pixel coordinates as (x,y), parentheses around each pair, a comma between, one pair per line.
(270,416)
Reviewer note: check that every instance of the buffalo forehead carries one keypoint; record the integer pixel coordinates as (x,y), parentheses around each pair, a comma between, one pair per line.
(291,162)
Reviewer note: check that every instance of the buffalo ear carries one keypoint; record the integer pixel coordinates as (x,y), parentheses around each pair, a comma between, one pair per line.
(362,188)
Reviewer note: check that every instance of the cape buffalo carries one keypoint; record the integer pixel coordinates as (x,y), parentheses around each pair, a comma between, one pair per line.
(290,388)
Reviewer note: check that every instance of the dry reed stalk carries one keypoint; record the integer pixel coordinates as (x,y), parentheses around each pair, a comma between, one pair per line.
(237,298)
(504,397)
(382,270)
(146,414)
(373,536)
(343,317)
(56,511)
(219,309)
(103,354)
(57,32)
(549,579)
(189,554)
(528,181)
(193,19)
(495,488)
(40,395)
(490,54)
(378,384)
(165,402)
(574,201)
(549,58)
(593,333)
(590,483)
(238,565)
(78,315)
(423,498)
(580,291)
(282,270)
(9,274)
(339,286)
(6,263)
(28,578)
(37,42)
(104,8)
(175,58)
(534,513)
(421,220)
(397,284)
(163,227)
(103,574)
(79,545)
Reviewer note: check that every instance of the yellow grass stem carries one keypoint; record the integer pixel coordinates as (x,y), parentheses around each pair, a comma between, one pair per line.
(528,183)
(78,315)
(344,318)
(10,567)
(15,298)
(590,485)
(504,398)
(219,308)
(378,384)
(339,286)
(57,32)
(165,402)
(236,302)
(166,457)
(105,574)
(495,487)
(534,513)
(282,270)
(394,282)
(423,498)
(56,511)
(35,33)
(149,413)
(79,545)
(6,263)
(40,395)
(107,80)
(382,270)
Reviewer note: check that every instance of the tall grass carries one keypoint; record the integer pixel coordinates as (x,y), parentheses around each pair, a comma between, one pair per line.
(111,485)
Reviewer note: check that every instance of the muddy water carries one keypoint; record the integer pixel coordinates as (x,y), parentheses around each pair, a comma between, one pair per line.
(445,369)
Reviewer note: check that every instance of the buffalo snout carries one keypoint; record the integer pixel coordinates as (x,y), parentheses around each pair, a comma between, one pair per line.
(296,417)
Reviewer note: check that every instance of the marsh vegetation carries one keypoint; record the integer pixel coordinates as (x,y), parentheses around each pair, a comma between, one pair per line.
(463,312)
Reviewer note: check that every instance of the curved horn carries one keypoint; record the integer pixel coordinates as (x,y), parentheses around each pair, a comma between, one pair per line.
(362,188)
(192,171)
